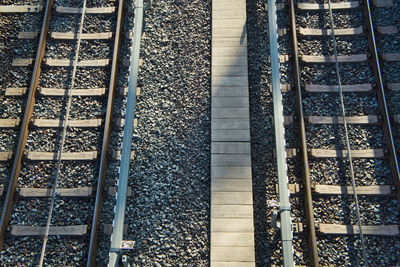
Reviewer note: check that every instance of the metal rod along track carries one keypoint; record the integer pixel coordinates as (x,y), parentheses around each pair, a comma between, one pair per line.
(387,128)
(16,167)
(284,203)
(118,223)
(306,170)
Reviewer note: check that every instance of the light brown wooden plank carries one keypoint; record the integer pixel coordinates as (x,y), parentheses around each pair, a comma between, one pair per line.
(229,91)
(234,160)
(20,9)
(9,123)
(22,62)
(229,42)
(230,113)
(75,92)
(233,264)
(235,33)
(72,123)
(231,198)
(223,239)
(342,5)
(231,211)
(346,190)
(15,91)
(231,185)
(230,124)
(240,51)
(229,14)
(377,230)
(369,119)
(221,6)
(76,230)
(363,153)
(318,88)
(90,155)
(4,156)
(92,10)
(64,192)
(229,24)
(229,61)
(232,225)
(69,63)
(232,254)
(231,173)
(230,102)
(227,72)
(331,59)
(230,148)
(228,81)
(325,32)
(28,35)
(84,36)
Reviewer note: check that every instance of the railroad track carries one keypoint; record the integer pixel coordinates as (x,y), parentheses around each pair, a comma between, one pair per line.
(70,91)
(350,175)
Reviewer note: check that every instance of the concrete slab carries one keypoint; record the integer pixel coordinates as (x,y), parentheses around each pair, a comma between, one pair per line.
(231,185)
(231,172)
(231,211)
(230,124)
(239,81)
(229,91)
(232,254)
(230,61)
(229,71)
(230,148)
(230,135)
(230,102)
(224,239)
(230,113)
(232,225)
(229,51)
(232,198)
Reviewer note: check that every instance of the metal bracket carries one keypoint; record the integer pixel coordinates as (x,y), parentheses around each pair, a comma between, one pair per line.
(125,261)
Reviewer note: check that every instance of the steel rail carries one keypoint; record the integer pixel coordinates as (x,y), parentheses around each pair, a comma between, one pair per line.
(17,163)
(63,137)
(387,128)
(119,219)
(283,182)
(93,243)
(306,169)
(349,157)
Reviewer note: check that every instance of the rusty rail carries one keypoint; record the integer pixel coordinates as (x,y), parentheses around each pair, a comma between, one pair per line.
(93,243)
(304,150)
(387,128)
(16,167)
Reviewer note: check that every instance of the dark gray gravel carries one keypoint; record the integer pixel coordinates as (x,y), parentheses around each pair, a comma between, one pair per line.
(169,216)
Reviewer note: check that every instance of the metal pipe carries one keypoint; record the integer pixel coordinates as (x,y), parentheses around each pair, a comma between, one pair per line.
(284,203)
(119,219)
(306,170)
(16,168)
